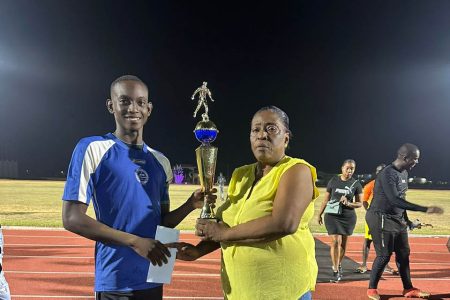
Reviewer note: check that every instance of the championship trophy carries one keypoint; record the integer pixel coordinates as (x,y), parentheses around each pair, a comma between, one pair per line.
(205,132)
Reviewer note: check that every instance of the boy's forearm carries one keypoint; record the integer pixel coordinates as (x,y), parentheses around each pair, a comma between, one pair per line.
(173,218)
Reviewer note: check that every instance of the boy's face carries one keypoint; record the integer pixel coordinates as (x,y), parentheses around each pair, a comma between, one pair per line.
(129,104)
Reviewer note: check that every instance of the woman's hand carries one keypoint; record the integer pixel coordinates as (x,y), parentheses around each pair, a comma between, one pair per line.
(344,201)
(198,195)
(209,230)
(319,219)
(186,251)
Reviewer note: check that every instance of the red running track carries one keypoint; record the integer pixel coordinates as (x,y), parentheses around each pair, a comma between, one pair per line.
(56,264)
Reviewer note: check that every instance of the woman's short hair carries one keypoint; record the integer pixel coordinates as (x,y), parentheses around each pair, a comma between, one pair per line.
(349,161)
(281,114)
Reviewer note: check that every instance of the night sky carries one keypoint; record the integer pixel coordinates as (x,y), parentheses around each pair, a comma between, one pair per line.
(357,78)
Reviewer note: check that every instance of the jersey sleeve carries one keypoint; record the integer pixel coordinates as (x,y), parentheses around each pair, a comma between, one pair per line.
(165,163)
(165,199)
(86,158)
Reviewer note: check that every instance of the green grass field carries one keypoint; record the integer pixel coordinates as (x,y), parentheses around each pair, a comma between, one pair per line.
(38,203)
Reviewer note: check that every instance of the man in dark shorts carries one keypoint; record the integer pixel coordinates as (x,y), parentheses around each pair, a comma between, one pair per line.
(388,221)
(367,199)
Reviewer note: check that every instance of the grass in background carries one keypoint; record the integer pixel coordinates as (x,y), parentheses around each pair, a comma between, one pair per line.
(38,203)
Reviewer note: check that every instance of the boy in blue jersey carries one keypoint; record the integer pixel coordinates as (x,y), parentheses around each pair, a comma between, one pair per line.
(127,182)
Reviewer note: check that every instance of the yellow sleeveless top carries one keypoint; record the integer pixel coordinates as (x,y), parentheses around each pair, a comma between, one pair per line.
(282,269)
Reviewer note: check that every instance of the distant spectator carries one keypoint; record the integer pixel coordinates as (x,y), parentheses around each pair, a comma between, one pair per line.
(221,181)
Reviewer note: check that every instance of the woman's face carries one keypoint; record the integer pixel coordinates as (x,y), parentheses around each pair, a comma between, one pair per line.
(348,169)
(268,137)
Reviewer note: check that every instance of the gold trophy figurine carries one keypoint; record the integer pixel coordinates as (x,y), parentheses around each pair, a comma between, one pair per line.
(205,132)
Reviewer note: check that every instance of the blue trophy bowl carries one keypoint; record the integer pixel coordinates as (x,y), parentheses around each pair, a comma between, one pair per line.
(205,132)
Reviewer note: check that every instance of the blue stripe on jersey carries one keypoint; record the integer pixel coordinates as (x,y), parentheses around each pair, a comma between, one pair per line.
(127,187)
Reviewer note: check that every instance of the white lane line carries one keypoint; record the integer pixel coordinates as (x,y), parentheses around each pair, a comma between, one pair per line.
(412,252)
(417,263)
(200,260)
(92,273)
(181,239)
(193,298)
(42,272)
(47,245)
(191,262)
(53,297)
(44,236)
(198,239)
(93,297)
(426,279)
(443,244)
(91,245)
(89,257)
(47,256)
(196,274)
(63,237)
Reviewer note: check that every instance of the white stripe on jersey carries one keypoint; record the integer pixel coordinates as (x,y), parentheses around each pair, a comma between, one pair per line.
(92,158)
(164,161)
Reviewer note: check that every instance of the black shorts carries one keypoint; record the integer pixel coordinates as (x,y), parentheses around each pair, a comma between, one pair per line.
(153,294)
(342,224)
(388,236)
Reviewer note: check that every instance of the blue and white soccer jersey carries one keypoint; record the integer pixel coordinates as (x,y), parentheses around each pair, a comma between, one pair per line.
(127,187)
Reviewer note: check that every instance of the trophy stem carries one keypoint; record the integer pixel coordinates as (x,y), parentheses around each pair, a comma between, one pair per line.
(207,211)
(206,163)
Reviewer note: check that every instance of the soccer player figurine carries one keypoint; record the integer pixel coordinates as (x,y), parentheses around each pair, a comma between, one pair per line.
(202,92)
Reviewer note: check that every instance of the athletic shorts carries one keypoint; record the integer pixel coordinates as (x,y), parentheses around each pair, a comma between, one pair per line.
(387,237)
(367,234)
(154,293)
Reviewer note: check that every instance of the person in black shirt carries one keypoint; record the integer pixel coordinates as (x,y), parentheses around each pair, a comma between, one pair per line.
(367,199)
(345,191)
(388,220)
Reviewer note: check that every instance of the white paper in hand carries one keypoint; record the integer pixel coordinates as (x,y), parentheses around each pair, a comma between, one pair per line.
(163,274)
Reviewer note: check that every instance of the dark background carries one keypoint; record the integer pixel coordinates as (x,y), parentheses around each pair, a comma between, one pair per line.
(357,78)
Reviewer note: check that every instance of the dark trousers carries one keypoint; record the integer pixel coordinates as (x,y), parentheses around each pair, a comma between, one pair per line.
(149,294)
(388,236)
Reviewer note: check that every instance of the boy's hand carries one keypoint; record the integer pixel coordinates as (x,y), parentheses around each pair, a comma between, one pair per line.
(151,249)
(198,196)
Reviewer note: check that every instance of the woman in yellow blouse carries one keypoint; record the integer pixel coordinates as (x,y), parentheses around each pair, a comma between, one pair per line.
(267,247)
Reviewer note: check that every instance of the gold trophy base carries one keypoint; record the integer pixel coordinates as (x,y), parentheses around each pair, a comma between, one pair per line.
(207,212)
